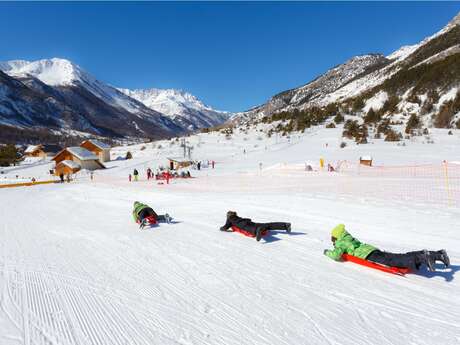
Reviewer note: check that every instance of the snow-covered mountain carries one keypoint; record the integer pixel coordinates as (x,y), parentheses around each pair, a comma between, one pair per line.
(408,75)
(317,90)
(180,106)
(88,105)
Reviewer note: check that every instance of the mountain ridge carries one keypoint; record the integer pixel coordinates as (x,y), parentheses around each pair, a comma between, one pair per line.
(339,91)
(179,105)
(88,105)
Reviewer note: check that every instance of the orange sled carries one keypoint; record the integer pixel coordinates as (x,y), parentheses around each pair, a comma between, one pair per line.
(395,270)
(247,233)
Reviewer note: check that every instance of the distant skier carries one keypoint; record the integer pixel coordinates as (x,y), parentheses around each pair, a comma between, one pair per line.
(149,173)
(136,174)
(256,229)
(142,211)
(344,243)
(198,165)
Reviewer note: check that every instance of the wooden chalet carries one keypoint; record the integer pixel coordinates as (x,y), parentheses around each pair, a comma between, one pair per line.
(66,167)
(365,160)
(177,163)
(35,151)
(100,149)
(81,156)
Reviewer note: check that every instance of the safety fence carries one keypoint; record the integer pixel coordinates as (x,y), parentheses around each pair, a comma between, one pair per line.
(429,183)
(433,184)
(26,184)
(44,178)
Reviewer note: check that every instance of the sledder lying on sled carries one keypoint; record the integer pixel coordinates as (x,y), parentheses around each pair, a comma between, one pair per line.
(348,248)
(247,227)
(145,215)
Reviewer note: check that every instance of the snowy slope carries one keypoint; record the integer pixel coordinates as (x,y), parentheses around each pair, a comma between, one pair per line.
(89,276)
(179,105)
(318,91)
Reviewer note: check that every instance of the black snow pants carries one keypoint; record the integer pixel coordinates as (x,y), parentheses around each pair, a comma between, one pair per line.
(252,227)
(412,260)
(273,226)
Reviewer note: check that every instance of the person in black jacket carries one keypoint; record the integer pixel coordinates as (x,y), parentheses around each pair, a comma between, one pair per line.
(248,225)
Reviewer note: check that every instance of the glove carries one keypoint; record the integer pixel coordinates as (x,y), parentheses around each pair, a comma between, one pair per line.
(325,251)
(222,228)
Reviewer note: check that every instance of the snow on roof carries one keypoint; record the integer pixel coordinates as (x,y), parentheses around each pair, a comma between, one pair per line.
(71,164)
(32,148)
(81,153)
(366,158)
(99,144)
(179,159)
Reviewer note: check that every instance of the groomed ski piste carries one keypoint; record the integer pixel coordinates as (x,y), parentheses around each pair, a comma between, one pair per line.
(76,269)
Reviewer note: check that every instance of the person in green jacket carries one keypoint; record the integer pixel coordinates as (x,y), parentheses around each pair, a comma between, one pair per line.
(142,211)
(345,243)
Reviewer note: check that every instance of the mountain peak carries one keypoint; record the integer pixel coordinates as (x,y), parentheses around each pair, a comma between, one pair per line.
(55,71)
(179,105)
(168,101)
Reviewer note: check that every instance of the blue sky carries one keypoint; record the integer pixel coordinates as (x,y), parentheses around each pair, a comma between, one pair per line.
(231,55)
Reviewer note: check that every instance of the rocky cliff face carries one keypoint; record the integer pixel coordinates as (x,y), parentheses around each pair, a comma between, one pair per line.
(406,76)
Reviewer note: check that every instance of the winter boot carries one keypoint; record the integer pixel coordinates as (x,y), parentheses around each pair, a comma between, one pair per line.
(429,260)
(168,218)
(288,228)
(444,257)
(259,232)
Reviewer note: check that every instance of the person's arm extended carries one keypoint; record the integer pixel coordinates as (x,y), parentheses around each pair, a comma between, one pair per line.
(334,254)
(135,215)
(227,225)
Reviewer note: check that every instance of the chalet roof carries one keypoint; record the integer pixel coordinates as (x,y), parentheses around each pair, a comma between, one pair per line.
(33,148)
(82,153)
(366,158)
(71,164)
(99,144)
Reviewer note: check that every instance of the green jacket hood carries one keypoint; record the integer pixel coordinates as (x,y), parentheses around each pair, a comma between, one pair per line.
(339,231)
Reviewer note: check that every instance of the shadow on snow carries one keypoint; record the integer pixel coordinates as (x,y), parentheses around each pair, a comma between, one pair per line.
(269,238)
(446,273)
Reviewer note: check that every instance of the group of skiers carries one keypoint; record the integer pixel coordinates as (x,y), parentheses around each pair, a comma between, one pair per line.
(343,242)
(166,175)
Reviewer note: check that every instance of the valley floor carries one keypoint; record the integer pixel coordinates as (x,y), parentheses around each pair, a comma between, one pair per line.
(75,268)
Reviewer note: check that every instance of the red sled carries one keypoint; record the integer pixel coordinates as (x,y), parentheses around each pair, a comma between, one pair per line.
(389,269)
(150,220)
(247,233)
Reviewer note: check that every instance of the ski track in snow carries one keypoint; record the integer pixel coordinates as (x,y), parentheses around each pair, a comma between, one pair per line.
(75,269)
(101,281)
